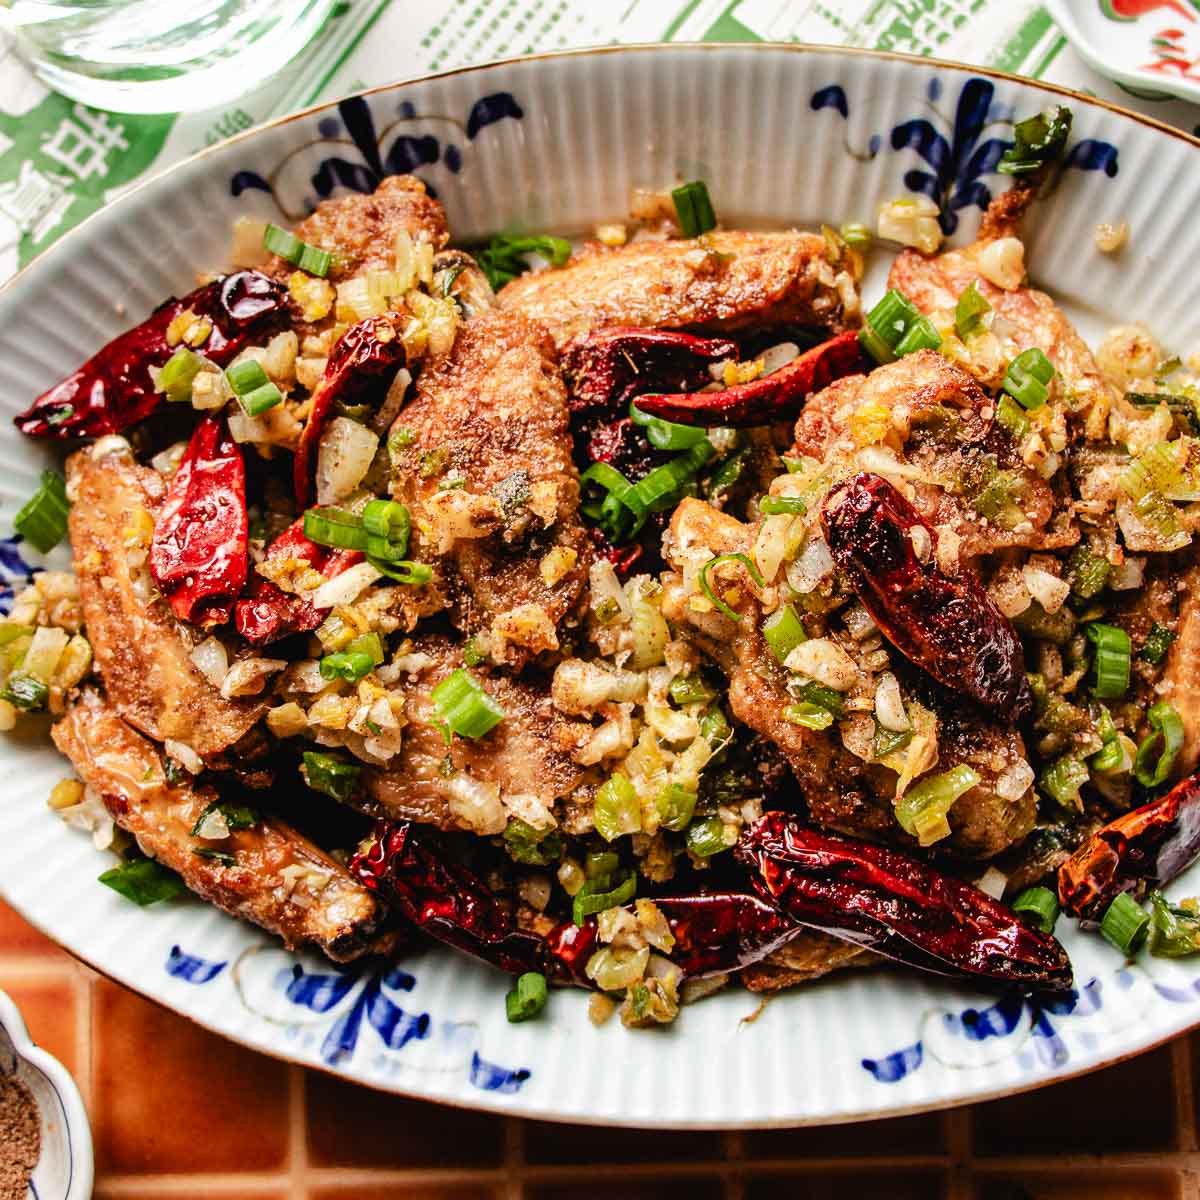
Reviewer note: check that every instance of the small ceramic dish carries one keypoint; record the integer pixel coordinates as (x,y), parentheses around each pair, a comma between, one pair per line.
(1151,47)
(64,1170)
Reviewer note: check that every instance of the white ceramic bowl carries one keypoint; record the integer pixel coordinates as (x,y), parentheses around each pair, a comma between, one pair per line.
(786,135)
(64,1169)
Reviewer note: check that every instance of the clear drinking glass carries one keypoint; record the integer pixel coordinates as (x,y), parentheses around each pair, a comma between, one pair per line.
(160,55)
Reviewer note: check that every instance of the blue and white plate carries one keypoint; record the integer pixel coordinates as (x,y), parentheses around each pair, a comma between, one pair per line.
(786,135)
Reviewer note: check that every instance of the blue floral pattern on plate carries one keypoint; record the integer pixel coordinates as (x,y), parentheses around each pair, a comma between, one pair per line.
(14,571)
(961,150)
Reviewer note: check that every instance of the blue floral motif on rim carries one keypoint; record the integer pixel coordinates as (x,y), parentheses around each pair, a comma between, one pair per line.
(13,570)
(960,151)
(393,150)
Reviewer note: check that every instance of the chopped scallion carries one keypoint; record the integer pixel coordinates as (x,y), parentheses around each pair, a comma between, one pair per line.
(707,588)
(1174,931)
(330,775)
(1010,416)
(349,665)
(143,881)
(1165,741)
(922,810)
(1036,141)
(25,692)
(464,706)
(617,809)
(1062,779)
(1028,377)
(676,806)
(886,325)
(1113,653)
(405,571)
(808,714)
(389,520)
(771,506)
(527,998)
(693,208)
(504,258)
(42,520)
(666,435)
(856,235)
(784,631)
(179,373)
(255,392)
(920,335)
(1157,645)
(335,527)
(588,901)
(706,837)
(1125,923)
(691,689)
(970,311)
(1039,905)
(311,259)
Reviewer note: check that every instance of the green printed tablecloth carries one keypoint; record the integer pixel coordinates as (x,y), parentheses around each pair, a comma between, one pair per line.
(59,160)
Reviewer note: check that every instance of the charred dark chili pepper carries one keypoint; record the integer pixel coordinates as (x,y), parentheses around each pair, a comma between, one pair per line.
(366,358)
(608,368)
(1142,849)
(776,397)
(113,389)
(269,613)
(896,906)
(405,864)
(947,625)
(198,555)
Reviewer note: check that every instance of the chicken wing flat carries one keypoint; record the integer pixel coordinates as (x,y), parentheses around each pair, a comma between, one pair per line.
(483,461)
(722,282)
(280,880)
(140,652)
(523,767)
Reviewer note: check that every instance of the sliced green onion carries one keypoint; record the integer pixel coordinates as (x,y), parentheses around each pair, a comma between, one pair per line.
(530,846)
(1088,573)
(179,373)
(1040,905)
(10,632)
(706,837)
(300,254)
(1036,141)
(922,809)
(691,689)
(666,435)
(1113,653)
(771,506)
(255,392)
(346,664)
(332,776)
(617,809)
(1125,923)
(42,520)
(808,714)
(706,586)
(1156,470)
(473,656)
(527,999)
(1012,419)
(1028,378)
(886,325)
(714,727)
(1111,754)
(665,486)
(25,692)
(970,311)
(390,521)
(825,697)
(856,234)
(504,258)
(462,704)
(1157,645)
(143,881)
(614,506)
(1062,779)
(784,631)
(1174,931)
(368,643)
(599,867)
(694,209)
(920,335)
(222,856)
(405,571)
(587,902)
(235,817)
(886,741)
(335,527)
(1166,741)
(676,807)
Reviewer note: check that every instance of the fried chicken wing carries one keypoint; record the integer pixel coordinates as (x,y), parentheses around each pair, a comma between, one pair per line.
(767,279)
(140,652)
(523,765)
(280,881)
(808,956)
(486,471)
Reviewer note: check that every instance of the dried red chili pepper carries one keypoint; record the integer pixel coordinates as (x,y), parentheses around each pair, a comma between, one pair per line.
(724,931)
(606,369)
(365,358)
(776,397)
(113,389)
(948,625)
(269,613)
(896,906)
(1142,849)
(198,555)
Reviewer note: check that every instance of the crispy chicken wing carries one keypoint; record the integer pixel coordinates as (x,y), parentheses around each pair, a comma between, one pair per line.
(526,757)
(769,279)
(488,475)
(842,790)
(280,881)
(806,957)
(140,653)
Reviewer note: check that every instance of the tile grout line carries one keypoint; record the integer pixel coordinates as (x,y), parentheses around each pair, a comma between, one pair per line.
(514,1158)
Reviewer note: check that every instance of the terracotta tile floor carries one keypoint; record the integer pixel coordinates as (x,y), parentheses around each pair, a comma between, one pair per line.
(179,1114)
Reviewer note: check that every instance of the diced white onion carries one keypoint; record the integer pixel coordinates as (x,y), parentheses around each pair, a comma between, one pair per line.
(90,816)
(166,462)
(211,659)
(110,443)
(582,687)
(992,883)
(248,249)
(889,704)
(778,356)
(344,588)
(826,662)
(393,402)
(911,221)
(475,804)
(248,676)
(344,456)
(1047,589)
(1002,262)
(1128,575)
(606,586)
(1015,781)
(814,563)
(44,651)
(183,754)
